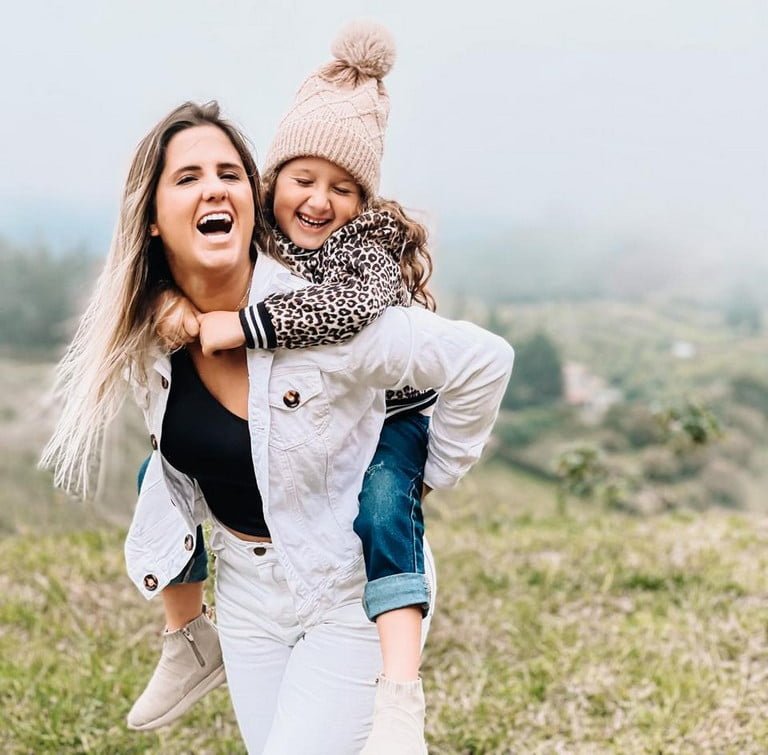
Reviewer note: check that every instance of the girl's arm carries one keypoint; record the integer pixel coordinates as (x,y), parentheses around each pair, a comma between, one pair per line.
(468,366)
(357,277)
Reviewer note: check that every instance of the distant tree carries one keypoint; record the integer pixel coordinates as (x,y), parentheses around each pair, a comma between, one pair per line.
(742,312)
(538,374)
(495,323)
(39,295)
(751,391)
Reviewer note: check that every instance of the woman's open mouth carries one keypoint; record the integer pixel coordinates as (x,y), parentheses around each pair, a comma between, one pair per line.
(215,224)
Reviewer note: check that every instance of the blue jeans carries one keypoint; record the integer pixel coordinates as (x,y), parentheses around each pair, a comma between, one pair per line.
(391,522)
(196,569)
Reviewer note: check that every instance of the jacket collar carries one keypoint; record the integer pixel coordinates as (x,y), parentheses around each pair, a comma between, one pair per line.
(269,277)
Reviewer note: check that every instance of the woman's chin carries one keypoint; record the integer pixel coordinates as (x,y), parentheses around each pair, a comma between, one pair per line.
(221,250)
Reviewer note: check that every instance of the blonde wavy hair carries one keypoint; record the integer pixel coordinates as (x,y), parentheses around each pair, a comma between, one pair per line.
(415,260)
(116,334)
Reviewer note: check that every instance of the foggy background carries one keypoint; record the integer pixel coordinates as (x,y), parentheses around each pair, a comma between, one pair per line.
(595,177)
(604,124)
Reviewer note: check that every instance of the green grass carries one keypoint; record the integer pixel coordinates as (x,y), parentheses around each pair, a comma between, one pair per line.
(595,633)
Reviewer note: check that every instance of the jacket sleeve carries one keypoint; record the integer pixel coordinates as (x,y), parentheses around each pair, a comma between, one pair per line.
(468,366)
(358,277)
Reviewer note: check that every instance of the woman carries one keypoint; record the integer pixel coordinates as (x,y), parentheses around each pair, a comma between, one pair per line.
(292,430)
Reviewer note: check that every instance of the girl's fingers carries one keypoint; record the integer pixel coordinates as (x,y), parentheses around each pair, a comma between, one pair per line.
(191,323)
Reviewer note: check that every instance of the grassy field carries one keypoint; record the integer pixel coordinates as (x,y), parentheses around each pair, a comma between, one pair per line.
(592,633)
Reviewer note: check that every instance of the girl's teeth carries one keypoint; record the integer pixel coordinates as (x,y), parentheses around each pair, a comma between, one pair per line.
(308,221)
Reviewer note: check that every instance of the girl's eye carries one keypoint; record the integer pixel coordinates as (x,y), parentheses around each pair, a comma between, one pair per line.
(303,181)
(341,191)
(230,176)
(185,180)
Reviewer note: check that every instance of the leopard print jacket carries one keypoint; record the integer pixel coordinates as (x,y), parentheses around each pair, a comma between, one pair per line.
(356,275)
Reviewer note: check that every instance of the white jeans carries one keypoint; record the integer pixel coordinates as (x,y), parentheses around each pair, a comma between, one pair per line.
(298,689)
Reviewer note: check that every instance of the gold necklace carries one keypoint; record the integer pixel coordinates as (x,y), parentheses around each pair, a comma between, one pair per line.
(244,300)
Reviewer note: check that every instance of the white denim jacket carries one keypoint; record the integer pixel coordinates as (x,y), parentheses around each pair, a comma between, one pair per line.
(315,416)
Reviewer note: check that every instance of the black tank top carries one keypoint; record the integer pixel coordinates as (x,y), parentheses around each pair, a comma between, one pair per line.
(204,440)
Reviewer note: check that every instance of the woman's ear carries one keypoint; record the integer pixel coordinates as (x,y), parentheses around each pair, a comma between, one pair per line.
(153,229)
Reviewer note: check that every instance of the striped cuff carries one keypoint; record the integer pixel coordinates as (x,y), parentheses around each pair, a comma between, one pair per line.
(257,327)
(415,403)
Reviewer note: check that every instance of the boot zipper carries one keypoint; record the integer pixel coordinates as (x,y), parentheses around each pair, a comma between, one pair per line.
(191,640)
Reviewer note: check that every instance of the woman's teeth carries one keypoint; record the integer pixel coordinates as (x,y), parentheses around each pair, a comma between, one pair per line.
(215,222)
(311,222)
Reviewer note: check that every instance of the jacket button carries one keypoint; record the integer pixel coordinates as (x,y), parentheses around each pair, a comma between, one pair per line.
(164,381)
(259,550)
(291,399)
(150,582)
(189,542)
(153,441)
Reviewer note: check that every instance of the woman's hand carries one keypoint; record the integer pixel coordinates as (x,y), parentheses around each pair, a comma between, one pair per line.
(425,491)
(220,331)
(175,319)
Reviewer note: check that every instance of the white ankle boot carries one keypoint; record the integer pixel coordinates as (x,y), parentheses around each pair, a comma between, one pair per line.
(398,719)
(190,666)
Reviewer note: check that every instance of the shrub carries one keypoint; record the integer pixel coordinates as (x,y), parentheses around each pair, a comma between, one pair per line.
(723,484)
(751,391)
(637,423)
(661,464)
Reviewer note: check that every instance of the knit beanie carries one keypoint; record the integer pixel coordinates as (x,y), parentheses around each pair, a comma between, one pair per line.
(341,110)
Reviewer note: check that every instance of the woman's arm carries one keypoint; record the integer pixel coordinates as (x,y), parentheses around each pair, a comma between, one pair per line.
(468,366)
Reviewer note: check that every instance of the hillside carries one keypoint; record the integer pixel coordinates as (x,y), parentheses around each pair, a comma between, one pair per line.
(594,633)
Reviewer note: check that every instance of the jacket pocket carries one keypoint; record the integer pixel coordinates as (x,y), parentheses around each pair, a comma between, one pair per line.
(298,407)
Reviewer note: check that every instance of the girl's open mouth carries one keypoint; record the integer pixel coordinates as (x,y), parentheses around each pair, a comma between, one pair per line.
(311,224)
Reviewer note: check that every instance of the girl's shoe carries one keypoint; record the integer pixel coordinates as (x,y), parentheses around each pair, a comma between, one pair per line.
(190,666)
(398,719)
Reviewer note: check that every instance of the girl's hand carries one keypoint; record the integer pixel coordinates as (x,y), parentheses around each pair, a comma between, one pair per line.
(220,331)
(175,319)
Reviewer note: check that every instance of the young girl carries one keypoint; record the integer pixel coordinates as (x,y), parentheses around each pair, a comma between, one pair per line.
(363,254)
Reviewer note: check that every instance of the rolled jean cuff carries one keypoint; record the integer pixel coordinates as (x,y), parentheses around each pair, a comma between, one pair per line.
(396,591)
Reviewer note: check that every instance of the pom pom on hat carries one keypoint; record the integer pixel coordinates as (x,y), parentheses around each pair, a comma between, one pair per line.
(340,112)
(366,47)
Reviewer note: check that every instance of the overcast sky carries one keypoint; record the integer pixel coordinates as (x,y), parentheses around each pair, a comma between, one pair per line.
(649,114)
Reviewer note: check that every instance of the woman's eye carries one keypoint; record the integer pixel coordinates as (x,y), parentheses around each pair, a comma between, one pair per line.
(341,191)
(230,176)
(303,182)
(185,180)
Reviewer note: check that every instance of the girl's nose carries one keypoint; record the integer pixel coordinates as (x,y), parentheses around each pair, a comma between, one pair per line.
(318,200)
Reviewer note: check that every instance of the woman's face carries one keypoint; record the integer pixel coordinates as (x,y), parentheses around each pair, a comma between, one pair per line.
(314,198)
(204,211)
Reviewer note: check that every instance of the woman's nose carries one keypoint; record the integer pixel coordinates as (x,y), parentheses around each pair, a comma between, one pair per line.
(215,189)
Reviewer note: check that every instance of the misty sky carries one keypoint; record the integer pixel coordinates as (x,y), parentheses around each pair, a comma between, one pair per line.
(651,114)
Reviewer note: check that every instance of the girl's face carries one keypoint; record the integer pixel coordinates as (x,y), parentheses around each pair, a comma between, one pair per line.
(204,211)
(313,198)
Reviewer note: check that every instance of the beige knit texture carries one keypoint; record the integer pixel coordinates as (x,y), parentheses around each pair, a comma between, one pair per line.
(340,112)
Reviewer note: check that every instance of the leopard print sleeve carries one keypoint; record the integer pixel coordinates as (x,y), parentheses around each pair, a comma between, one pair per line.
(356,275)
